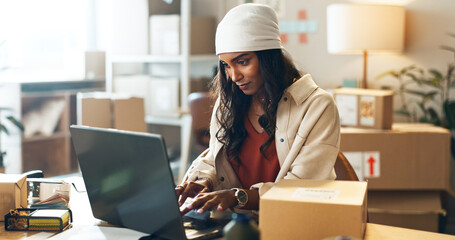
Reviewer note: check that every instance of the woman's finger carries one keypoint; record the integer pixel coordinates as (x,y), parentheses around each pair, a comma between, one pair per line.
(208,205)
(178,190)
(191,190)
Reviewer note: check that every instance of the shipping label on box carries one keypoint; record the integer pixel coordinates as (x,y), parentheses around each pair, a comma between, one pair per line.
(365,164)
(13,192)
(367,111)
(365,108)
(347,107)
(303,209)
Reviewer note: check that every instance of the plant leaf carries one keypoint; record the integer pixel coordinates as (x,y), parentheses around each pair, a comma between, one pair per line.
(434,118)
(16,122)
(422,94)
(4,129)
(448,48)
(384,74)
(449,111)
(435,73)
(411,75)
(403,112)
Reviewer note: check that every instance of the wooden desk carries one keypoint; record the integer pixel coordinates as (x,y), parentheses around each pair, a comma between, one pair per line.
(83,216)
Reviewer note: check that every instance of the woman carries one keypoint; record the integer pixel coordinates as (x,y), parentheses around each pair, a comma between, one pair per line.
(269,122)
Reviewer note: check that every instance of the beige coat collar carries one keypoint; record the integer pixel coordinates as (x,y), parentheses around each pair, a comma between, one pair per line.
(301,89)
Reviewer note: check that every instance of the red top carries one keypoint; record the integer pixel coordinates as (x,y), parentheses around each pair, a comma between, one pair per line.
(254,167)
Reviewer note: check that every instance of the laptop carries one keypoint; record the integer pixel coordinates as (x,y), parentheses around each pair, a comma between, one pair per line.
(129,183)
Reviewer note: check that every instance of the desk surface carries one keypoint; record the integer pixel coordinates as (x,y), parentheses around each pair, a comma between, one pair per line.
(83,216)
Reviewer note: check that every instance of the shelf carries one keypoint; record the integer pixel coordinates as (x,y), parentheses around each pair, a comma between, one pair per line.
(169,121)
(203,58)
(161,58)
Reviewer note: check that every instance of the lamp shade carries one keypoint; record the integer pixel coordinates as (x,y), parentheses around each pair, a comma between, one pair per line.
(355,28)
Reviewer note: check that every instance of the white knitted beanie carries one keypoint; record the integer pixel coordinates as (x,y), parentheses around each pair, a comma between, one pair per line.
(248,27)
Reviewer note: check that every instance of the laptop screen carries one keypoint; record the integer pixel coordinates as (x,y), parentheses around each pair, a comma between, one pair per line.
(128,180)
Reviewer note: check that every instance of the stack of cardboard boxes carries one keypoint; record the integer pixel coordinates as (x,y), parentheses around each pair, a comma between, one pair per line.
(406,165)
(111,110)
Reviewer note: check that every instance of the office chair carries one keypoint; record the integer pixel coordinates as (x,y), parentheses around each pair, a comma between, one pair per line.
(343,169)
(201,105)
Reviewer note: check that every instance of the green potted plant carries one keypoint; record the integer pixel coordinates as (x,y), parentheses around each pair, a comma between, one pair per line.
(425,95)
(4,129)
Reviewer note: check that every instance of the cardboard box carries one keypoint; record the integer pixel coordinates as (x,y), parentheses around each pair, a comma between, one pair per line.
(135,85)
(409,209)
(95,64)
(313,209)
(381,232)
(165,35)
(129,114)
(407,157)
(109,110)
(366,108)
(156,91)
(165,97)
(13,193)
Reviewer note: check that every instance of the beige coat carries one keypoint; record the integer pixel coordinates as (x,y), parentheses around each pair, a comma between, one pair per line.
(307,140)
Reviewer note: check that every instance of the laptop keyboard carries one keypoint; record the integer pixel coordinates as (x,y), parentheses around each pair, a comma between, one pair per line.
(201,224)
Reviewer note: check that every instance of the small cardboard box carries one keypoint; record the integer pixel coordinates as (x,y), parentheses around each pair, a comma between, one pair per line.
(165,97)
(409,209)
(108,110)
(313,209)
(407,157)
(135,85)
(366,108)
(13,193)
(165,34)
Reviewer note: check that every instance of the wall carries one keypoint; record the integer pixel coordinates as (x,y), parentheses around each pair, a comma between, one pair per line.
(427,22)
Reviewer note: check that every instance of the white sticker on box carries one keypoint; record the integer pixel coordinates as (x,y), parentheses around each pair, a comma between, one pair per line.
(367,110)
(316,194)
(372,164)
(347,107)
(356,160)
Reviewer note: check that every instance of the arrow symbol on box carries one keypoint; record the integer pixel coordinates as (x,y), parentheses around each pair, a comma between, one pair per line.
(371,161)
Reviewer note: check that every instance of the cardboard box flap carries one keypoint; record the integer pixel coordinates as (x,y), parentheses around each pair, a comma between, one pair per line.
(21,194)
(354,130)
(417,202)
(12,178)
(108,95)
(362,91)
(13,192)
(323,191)
(419,127)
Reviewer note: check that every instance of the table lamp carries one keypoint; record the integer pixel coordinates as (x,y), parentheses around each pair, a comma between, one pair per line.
(363,29)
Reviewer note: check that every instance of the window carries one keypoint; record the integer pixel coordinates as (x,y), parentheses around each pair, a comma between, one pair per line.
(43,39)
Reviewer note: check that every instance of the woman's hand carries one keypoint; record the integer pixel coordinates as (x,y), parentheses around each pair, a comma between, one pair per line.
(221,200)
(191,189)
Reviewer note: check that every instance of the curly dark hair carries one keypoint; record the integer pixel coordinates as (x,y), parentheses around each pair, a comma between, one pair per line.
(278,72)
